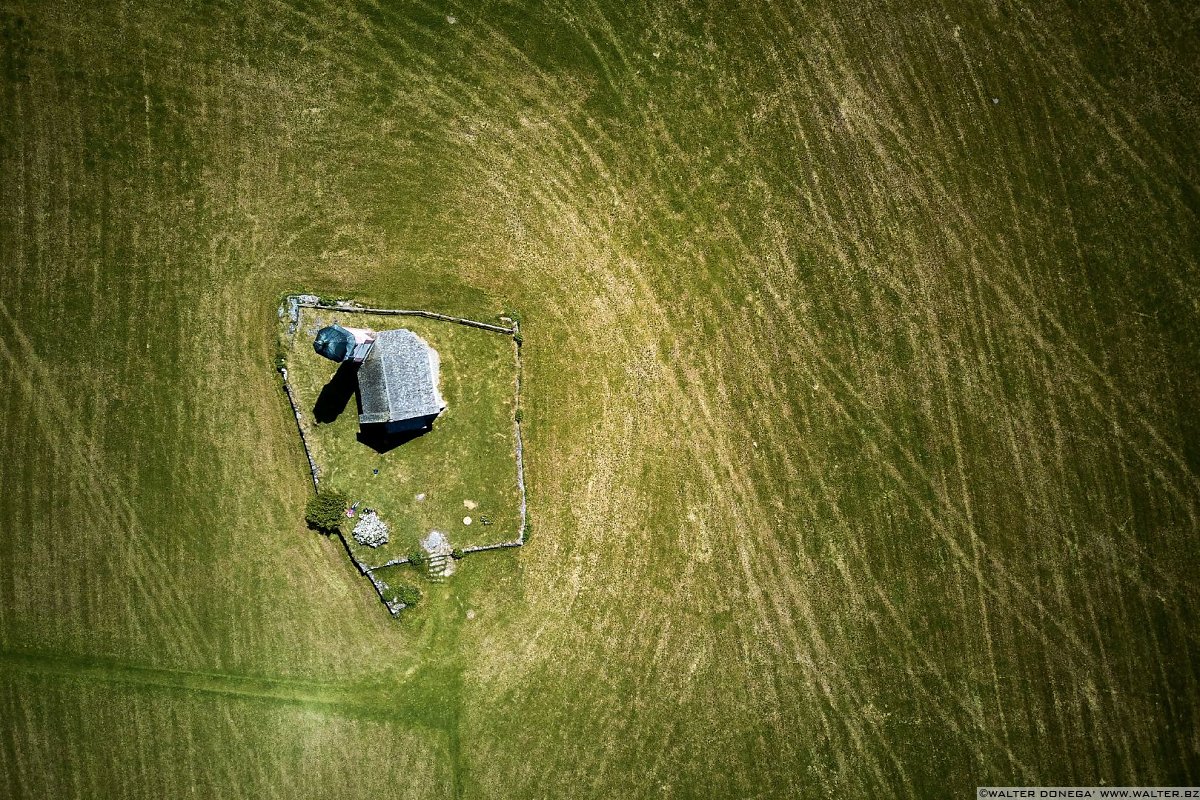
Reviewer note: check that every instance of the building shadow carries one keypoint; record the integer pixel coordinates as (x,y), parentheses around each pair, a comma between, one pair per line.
(336,394)
(379,440)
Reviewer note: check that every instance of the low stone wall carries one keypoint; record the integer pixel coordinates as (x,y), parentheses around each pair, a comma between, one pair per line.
(312,465)
(480,548)
(516,332)
(395,562)
(401,312)
(394,608)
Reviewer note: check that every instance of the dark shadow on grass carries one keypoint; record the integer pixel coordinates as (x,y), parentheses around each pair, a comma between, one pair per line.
(336,394)
(381,441)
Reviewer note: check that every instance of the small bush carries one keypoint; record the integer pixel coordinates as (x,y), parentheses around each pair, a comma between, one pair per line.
(518,338)
(526,531)
(409,595)
(418,558)
(326,511)
(457,554)
(520,416)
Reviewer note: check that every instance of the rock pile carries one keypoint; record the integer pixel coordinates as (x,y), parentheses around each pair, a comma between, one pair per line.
(371,530)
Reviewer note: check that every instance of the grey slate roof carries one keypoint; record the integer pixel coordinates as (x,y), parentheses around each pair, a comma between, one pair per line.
(399,379)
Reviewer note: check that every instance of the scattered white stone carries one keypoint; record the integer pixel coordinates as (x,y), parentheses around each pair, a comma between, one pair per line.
(470,504)
(452,20)
(435,541)
(371,531)
(470,613)
(420,497)
(466,520)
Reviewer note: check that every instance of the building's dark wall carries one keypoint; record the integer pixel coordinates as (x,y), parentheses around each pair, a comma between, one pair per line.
(407,425)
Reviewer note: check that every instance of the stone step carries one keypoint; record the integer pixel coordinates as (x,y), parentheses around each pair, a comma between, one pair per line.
(435,568)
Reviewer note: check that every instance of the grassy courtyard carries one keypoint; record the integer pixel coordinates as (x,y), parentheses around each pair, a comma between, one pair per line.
(464,468)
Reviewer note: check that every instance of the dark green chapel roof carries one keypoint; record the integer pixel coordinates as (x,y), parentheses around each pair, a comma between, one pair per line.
(334,342)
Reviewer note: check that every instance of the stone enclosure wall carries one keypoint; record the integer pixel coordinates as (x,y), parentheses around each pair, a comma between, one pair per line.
(291,310)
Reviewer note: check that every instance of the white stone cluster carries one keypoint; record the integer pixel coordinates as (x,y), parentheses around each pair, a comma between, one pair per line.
(371,530)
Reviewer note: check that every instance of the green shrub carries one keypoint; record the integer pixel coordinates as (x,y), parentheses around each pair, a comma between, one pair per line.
(418,558)
(520,416)
(457,554)
(409,595)
(326,511)
(518,338)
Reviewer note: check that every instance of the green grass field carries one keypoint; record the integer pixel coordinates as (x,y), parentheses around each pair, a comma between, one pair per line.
(468,457)
(860,365)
